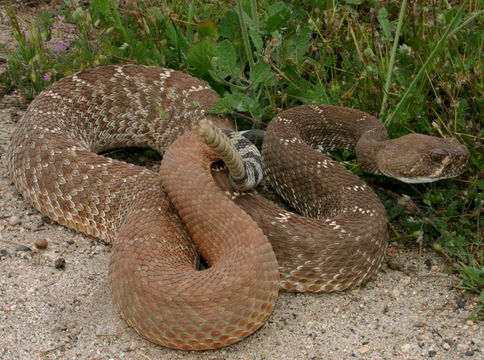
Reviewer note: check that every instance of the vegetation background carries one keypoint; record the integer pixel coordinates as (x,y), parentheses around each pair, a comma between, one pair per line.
(414,64)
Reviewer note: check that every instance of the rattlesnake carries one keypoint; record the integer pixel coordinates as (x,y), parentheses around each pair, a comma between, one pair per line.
(336,243)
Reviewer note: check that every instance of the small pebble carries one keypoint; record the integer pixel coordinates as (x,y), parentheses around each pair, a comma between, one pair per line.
(23,248)
(406,348)
(461,302)
(445,345)
(412,268)
(14,220)
(363,350)
(41,244)
(3,252)
(396,293)
(428,264)
(469,353)
(60,263)
(432,353)
(394,264)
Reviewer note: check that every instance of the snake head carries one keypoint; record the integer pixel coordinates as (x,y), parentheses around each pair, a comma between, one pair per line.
(417,158)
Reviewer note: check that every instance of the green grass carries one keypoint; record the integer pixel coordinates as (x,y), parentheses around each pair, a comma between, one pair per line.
(418,68)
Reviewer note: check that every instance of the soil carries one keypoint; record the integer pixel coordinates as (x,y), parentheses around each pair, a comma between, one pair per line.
(55,301)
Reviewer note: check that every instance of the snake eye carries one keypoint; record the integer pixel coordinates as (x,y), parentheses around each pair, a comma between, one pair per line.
(437,155)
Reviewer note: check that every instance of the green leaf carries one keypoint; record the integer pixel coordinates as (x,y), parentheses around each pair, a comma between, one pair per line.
(256,40)
(384,23)
(226,61)
(278,16)
(200,57)
(318,95)
(231,102)
(297,46)
(102,7)
(229,25)
(151,154)
(220,107)
(179,42)
(262,72)
(207,29)
(236,102)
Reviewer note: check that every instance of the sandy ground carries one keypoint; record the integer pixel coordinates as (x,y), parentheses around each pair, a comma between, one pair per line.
(412,309)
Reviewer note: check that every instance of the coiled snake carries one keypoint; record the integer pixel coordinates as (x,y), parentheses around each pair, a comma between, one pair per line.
(158,225)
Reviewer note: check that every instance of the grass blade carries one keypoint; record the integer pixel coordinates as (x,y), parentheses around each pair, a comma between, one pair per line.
(393,52)
(426,64)
(245,36)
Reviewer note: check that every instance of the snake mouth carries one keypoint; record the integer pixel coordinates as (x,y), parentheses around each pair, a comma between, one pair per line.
(446,170)
(417,180)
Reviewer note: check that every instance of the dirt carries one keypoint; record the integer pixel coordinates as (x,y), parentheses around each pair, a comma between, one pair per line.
(55,301)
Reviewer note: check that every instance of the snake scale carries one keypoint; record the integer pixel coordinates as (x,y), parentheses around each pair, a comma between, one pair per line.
(159,225)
